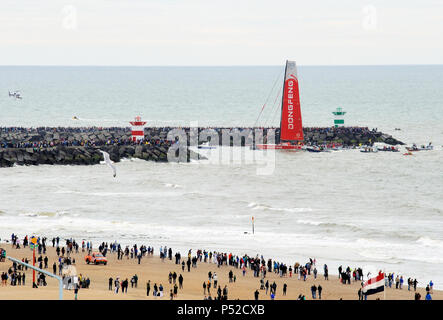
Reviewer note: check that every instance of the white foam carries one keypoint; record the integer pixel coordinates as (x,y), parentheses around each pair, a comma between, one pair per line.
(256,206)
(310,222)
(172,185)
(428,242)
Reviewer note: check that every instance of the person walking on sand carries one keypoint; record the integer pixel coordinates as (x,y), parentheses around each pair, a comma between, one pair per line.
(160,288)
(313,291)
(319,288)
(285,286)
(215,279)
(175,290)
(110,283)
(76,291)
(116,284)
(148,287)
(256,293)
(209,287)
(154,293)
(204,287)
(174,277)
(180,281)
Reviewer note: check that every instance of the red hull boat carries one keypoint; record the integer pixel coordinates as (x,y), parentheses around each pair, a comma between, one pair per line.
(291,131)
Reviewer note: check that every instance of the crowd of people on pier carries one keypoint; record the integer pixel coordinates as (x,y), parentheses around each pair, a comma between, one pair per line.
(151,137)
(83,143)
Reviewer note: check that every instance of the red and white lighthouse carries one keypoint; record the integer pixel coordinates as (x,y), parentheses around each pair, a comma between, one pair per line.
(138,127)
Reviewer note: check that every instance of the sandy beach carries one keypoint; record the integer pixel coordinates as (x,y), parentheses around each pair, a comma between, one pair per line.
(154,269)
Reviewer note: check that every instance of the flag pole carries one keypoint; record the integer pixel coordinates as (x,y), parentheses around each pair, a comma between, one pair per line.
(33,264)
(252,224)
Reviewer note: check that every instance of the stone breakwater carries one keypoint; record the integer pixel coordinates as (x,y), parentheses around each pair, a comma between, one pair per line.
(80,146)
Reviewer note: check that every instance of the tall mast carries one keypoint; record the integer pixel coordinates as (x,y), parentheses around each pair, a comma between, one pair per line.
(283,97)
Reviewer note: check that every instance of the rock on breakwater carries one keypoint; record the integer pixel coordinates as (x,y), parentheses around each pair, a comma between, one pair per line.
(84,155)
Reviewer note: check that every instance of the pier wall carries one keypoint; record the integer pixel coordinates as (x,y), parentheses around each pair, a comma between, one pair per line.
(80,146)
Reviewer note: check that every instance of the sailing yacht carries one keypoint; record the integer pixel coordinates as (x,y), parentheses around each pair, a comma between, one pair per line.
(291,131)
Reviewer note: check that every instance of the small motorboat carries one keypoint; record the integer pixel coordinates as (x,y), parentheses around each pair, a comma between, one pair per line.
(313,149)
(369,149)
(15,94)
(206,145)
(422,148)
(317,149)
(280,146)
(389,149)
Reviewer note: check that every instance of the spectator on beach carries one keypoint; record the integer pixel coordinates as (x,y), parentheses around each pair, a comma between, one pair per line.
(175,290)
(75,291)
(313,291)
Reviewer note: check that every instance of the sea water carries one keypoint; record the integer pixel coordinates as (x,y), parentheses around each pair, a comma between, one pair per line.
(379,211)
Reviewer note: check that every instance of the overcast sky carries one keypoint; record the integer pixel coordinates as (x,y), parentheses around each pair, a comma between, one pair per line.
(223,32)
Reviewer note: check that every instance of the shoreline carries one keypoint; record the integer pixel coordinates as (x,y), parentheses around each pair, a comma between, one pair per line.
(153,268)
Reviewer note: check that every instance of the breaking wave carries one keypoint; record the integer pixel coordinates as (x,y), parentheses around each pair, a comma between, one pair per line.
(255,206)
(428,242)
(172,185)
(43,214)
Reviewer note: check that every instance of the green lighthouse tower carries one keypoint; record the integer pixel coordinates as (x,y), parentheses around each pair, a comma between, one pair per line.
(339,120)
